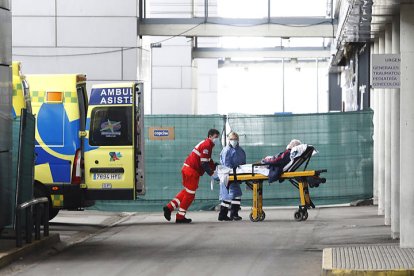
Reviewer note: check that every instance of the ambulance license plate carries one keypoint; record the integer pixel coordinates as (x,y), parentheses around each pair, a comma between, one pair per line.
(107,176)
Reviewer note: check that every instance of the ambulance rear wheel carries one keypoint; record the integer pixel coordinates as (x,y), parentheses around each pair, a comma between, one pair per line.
(41,191)
(252,219)
(298,216)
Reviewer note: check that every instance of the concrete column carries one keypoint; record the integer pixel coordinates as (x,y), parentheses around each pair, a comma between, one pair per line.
(395,140)
(381,137)
(407,126)
(376,122)
(387,138)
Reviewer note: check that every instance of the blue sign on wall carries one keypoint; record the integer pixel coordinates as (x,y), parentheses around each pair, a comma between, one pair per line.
(103,96)
(161,132)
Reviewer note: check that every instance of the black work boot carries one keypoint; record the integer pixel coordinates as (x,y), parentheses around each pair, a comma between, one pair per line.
(167,213)
(223,214)
(234,212)
(183,220)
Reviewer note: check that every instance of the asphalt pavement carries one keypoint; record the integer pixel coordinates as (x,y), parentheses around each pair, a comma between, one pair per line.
(96,243)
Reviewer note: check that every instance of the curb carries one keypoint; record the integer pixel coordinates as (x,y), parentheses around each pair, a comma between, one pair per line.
(16,253)
(329,270)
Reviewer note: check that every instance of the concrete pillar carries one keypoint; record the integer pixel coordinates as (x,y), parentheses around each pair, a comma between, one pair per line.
(371,90)
(376,122)
(387,138)
(407,126)
(381,137)
(395,140)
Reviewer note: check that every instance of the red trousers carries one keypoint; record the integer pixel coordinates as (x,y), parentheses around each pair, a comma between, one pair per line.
(186,196)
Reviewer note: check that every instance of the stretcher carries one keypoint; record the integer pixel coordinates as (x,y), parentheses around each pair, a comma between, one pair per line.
(302,180)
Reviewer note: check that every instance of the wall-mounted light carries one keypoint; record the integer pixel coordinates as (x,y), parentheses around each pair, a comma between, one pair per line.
(156,45)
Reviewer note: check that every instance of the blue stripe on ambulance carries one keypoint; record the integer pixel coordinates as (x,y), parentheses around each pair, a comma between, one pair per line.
(59,135)
(56,131)
(59,168)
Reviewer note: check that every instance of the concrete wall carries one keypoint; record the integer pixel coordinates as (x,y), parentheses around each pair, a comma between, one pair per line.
(206,73)
(6,196)
(172,84)
(181,85)
(95,37)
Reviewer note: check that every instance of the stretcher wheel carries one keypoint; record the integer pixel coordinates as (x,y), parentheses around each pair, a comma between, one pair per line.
(262,216)
(298,215)
(252,219)
(305,215)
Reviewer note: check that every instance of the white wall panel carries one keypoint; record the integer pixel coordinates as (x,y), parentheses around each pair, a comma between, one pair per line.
(34,31)
(207,103)
(172,101)
(97,8)
(97,67)
(203,83)
(33,7)
(172,56)
(213,83)
(166,77)
(207,66)
(97,32)
(186,77)
(129,63)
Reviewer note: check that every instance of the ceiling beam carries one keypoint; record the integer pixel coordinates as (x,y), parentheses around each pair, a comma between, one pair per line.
(277,52)
(218,27)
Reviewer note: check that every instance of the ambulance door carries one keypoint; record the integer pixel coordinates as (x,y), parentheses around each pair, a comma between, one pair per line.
(139,138)
(82,104)
(109,165)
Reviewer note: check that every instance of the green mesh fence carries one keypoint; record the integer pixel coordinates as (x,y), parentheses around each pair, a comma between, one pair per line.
(344,142)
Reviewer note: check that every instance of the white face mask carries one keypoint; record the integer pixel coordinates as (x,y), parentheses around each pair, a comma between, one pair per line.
(216,141)
(234,143)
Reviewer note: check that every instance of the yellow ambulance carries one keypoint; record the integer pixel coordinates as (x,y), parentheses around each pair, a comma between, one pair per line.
(59,102)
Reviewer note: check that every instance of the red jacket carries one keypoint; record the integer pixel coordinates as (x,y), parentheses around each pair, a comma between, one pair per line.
(201,153)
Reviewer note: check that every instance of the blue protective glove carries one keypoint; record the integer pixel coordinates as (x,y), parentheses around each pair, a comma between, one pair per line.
(216,178)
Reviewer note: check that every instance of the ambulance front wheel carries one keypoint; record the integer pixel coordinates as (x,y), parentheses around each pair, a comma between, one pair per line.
(252,219)
(298,215)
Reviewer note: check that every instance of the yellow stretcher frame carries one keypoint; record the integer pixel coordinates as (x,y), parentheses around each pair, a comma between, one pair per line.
(298,179)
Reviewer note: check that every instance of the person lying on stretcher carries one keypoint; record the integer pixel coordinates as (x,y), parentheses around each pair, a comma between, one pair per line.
(278,163)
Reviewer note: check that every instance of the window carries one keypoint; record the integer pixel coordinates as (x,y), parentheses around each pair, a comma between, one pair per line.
(111,126)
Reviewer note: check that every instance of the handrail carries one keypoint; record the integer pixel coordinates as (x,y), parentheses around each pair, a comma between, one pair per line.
(32,202)
(27,207)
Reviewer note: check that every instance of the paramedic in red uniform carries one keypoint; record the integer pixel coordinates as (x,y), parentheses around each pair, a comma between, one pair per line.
(198,162)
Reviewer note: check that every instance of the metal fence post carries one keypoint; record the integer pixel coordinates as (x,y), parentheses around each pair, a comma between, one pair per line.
(37,215)
(46,219)
(18,229)
(29,224)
